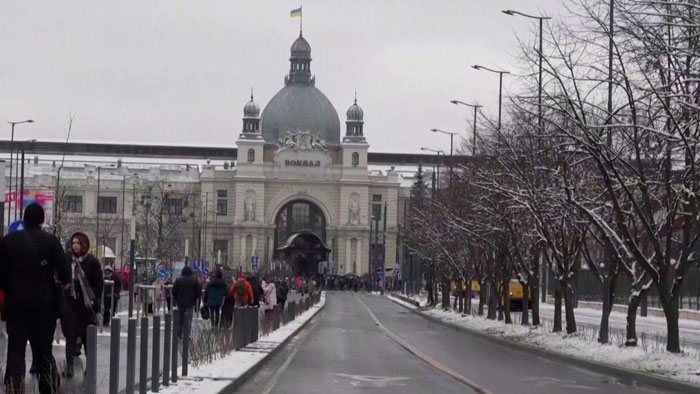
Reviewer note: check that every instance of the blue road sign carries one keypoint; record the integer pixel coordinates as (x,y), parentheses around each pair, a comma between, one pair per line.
(162,272)
(397,270)
(17,225)
(381,274)
(195,265)
(255,260)
(205,271)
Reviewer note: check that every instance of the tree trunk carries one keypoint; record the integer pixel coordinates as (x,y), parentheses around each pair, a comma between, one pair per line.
(445,294)
(534,290)
(499,294)
(670,308)
(569,308)
(493,301)
(644,303)
(557,308)
(460,296)
(608,297)
(468,298)
(632,321)
(506,301)
(482,297)
(525,320)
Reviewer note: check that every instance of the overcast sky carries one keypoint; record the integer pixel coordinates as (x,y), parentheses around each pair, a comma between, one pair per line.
(179,72)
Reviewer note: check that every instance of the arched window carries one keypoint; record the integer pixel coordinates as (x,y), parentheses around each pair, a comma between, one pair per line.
(251,155)
(355,159)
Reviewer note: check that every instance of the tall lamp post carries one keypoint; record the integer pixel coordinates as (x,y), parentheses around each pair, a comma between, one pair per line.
(539,79)
(451,147)
(21,184)
(476,108)
(500,87)
(436,182)
(12,140)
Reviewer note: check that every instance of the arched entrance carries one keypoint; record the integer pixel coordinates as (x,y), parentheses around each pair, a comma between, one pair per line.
(300,237)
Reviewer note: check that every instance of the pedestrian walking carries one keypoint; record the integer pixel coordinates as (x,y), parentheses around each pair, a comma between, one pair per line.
(257,289)
(186,293)
(82,298)
(31,262)
(282,291)
(269,294)
(214,296)
(242,292)
(111,297)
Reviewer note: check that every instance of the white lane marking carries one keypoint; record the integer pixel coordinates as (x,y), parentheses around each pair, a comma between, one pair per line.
(370,380)
(426,358)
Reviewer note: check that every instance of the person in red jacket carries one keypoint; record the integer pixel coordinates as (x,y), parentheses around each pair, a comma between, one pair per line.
(242,292)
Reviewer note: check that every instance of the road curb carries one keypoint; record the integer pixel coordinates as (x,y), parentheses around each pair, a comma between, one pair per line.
(647,377)
(241,380)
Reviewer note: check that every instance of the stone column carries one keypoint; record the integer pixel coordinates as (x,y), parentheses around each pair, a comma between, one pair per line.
(348,255)
(359,256)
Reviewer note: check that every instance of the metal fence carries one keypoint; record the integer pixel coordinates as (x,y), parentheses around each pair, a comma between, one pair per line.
(588,288)
(199,343)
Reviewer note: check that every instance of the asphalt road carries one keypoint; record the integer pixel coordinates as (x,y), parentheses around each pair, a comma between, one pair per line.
(343,350)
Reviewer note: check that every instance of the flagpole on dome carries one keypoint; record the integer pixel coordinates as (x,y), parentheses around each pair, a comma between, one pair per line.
(301,20)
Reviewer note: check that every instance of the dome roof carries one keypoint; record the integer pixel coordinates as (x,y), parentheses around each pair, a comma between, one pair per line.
(301,47)
(355,112)
(251,109)
(300,107)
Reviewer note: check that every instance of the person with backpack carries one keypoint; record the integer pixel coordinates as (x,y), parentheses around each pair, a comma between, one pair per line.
(31,262)
(242,292)
(214,296)
(282,291)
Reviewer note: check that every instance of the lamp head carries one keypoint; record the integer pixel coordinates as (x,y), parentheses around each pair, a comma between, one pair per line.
(476,67)
(508,12)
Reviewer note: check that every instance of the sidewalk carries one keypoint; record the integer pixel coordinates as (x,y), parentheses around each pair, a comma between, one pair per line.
(228,373)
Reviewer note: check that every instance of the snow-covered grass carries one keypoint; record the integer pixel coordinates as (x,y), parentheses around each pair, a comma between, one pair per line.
(215,376)
(583,345)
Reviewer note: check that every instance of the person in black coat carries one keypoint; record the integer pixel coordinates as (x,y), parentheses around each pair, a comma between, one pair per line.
(31,261)
(82,298)
(257,289)
(214,296)
(186,293)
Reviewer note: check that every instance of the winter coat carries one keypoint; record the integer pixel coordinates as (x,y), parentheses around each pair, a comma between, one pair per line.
(257,291)
(116,278)
(215,293)
(28,283)
(78,316)
(249,297)
(270,294)
(186,290)
(282,291)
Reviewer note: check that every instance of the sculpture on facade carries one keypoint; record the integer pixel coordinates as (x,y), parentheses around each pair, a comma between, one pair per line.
(354,210)
(249,206)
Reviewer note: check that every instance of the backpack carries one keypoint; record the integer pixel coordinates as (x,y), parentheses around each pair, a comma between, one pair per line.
(240,290)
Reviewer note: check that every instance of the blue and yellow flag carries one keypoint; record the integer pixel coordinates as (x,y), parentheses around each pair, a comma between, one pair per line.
(295,13)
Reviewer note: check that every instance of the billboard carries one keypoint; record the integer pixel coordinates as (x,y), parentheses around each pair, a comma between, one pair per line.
(43,197)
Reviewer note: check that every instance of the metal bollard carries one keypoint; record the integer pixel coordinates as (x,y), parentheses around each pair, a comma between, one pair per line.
(131,356)
(155,354)
(114,345)
(187,328)
(166,349)
(176,340)
(143,357)
(91,369)
(256,325)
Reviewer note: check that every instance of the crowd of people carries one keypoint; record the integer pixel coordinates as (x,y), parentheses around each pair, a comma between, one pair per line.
(42,284)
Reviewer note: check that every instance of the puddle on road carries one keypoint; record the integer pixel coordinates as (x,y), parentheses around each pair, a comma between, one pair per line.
(371,381)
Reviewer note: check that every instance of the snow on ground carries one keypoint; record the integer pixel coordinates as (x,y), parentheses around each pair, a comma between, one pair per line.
(681,367)
(214,377)
(402,302)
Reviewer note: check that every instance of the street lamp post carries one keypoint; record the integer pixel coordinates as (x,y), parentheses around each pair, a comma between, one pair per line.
(500,87)
(451,147)
(12,140)
(476,108)
(21,185)
(436,151)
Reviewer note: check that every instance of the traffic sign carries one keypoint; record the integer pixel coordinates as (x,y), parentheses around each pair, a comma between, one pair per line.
(255,260)
(17,225)
(381,274)
(162,273)
(195,265)
(397,270)
(205,271)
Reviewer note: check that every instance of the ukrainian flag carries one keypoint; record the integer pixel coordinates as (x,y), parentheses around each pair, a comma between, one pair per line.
(295,13)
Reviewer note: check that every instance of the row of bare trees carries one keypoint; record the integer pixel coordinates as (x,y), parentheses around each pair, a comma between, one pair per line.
(607,181)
